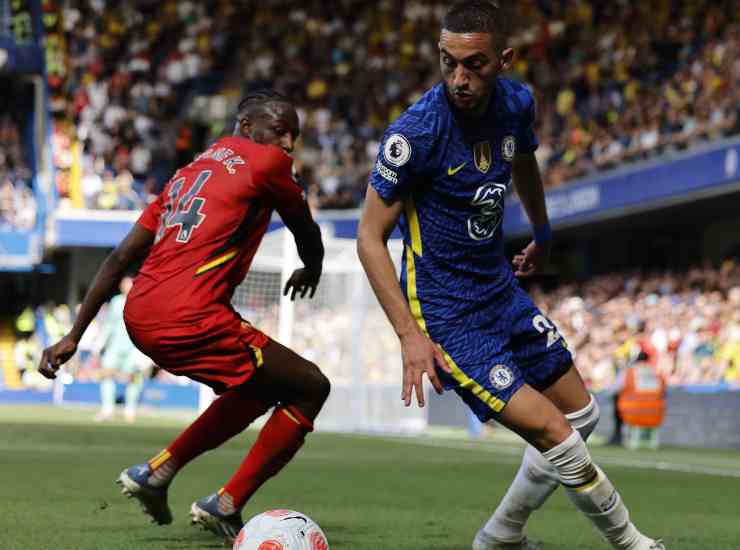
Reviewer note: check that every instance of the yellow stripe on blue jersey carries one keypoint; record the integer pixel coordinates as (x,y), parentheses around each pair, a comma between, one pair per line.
(415,305)
(412,217)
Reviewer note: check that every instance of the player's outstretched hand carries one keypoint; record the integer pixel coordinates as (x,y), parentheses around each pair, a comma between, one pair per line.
(55,356)
(302,280)
(420,355)
(532,260)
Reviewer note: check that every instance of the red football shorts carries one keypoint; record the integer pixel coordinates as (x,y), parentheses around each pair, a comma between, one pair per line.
(222,353)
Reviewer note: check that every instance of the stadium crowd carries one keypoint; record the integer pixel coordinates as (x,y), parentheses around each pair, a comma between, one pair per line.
(688,323)
(17,200)
(117,93)
(615,82)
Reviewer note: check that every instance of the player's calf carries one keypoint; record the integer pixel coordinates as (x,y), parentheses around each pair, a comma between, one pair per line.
(534,483)
(592,493)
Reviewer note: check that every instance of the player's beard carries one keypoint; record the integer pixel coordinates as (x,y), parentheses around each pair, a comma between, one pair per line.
(468,102)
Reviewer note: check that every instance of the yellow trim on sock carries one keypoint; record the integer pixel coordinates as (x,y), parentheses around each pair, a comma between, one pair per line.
(291,416)
(590,485)
(160,459)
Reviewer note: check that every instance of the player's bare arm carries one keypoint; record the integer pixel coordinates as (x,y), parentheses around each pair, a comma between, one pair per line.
(310,250)
(528,183)
(133,247)
(276,123)
(420,354)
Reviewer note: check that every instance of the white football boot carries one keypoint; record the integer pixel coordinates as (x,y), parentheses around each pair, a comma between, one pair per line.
(484,541)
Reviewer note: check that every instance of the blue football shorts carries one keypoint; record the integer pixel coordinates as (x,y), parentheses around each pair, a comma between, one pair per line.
(515,344)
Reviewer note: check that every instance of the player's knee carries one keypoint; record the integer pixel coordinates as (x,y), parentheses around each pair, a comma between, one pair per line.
(319,384)
(555,430)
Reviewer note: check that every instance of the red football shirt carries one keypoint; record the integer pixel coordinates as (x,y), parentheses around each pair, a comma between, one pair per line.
(209,222)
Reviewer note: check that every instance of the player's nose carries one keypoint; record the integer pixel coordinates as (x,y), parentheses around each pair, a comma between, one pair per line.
(460,78)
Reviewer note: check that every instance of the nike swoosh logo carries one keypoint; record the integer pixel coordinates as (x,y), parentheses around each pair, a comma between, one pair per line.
(452,171)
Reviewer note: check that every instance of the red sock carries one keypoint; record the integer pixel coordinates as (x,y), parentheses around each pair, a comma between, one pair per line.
(227,416)
(276,445)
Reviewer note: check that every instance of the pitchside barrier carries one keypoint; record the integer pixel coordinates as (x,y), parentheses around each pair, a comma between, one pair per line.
(696,416)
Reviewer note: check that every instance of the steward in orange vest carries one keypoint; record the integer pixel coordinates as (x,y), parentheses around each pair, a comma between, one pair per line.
(641,402)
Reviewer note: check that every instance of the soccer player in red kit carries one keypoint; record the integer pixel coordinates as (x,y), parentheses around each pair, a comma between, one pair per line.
(198,240)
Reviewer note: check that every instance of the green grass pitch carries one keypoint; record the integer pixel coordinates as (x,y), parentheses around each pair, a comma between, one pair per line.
(428,493)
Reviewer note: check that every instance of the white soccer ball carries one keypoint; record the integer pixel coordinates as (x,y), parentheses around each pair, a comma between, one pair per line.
(281,530)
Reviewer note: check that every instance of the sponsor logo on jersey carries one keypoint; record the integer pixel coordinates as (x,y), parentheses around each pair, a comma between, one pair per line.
(397,150)
(508,148)
(501,377)
(489,204)
(452,171)
(386,173)
(482,156)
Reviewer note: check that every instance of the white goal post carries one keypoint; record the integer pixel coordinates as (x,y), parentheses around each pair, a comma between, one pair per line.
(342,329)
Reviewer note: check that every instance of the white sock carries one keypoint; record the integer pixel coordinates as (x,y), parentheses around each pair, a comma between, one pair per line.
(107,396)
(594,495)
(131,400)
(534,483)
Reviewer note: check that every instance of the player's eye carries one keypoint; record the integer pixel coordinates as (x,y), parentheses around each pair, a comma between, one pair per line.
(448,61)
(475,65)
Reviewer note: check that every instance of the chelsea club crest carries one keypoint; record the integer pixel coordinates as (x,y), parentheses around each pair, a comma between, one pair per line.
(501,377)
(508,148)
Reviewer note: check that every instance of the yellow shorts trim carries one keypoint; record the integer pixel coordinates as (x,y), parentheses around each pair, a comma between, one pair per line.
(462,379)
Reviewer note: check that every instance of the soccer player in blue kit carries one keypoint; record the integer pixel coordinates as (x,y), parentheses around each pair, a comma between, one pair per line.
(442,172)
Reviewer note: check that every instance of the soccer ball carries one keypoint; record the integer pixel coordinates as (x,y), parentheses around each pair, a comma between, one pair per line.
(281,530)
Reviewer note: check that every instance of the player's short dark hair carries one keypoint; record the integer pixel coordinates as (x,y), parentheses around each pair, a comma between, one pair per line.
(483,16)
(259,98)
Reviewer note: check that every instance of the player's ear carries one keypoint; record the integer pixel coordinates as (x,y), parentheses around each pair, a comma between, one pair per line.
(244,127)
(506,59)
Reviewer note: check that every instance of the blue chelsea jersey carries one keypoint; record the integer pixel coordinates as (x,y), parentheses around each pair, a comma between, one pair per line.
(452,172)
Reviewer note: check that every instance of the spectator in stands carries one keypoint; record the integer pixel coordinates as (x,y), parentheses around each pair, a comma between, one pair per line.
(118,97)
(687,324)
(17,200)
(615,82)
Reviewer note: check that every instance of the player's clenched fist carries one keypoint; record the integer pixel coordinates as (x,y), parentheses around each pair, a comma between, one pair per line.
(55,356)
(420,355)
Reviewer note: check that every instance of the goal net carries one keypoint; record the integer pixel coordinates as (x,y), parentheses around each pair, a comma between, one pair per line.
(342,329)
